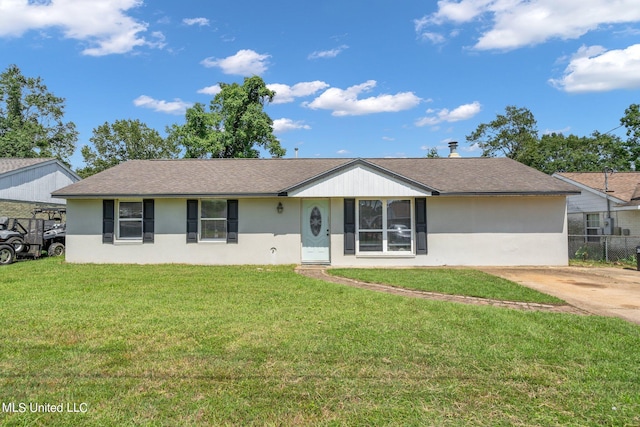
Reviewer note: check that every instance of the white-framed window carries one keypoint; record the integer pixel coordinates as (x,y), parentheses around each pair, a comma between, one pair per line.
(213,220)
(592,226)
(384,226)
(129,220)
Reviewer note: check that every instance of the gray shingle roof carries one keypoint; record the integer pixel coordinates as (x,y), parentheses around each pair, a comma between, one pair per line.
(194,177)
(9,164)
(624,186)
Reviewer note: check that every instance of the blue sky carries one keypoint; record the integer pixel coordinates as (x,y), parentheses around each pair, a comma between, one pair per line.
(352,79)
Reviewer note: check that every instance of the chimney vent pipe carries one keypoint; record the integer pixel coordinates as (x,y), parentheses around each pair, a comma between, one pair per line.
(453,149)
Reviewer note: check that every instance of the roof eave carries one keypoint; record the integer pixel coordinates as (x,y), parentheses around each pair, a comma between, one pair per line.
(508,193)
(161,195)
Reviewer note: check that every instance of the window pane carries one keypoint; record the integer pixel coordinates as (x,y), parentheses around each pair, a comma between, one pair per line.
(593,220)
(213,209)
(370,214)
(130,229)
(130,210)
(370,241)
(399,240)
(398,214)
(213,229)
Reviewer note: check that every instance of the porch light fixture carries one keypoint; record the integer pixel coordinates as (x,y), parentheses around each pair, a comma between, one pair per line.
(280,208)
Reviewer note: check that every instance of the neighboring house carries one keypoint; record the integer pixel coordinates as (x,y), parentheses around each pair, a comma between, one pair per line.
(608,205)
(342,212)
(26,184)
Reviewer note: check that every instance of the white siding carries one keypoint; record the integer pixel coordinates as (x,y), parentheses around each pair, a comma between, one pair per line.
(358,181)
(587,202)
(35,184)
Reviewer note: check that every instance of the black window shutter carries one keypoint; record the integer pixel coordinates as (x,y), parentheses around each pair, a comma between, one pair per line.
(349,226)
(147,220)
(421,226)
(108,220)
(192,221)
(232,221)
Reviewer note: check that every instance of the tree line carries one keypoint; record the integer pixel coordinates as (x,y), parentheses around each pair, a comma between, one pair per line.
(236,125)
(514,134)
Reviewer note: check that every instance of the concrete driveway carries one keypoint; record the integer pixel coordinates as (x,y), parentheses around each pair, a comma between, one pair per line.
(601,291)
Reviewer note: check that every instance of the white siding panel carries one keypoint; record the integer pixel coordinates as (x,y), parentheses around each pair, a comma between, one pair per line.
(586,202)
(359,182)
(35,184)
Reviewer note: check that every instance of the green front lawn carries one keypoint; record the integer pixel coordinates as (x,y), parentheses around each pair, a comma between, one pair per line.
(185,345)
(452,281)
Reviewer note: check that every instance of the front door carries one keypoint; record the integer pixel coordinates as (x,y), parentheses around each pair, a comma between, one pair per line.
(315,231)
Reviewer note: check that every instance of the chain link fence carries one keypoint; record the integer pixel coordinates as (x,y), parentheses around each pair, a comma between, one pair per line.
(603,248)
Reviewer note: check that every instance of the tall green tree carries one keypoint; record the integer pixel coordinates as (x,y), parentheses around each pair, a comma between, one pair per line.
(515,135)
(432,153)
(556,152)
(512,134)
(121,141)
(236,124)
(631,121)
(32,119)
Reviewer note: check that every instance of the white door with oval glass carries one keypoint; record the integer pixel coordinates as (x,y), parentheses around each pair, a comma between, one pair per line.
(315,231)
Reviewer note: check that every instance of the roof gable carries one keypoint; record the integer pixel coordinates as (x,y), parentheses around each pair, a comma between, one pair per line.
(13,164)
(359,178)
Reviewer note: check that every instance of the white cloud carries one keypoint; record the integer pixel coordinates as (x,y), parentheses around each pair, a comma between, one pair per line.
(595,69)
(102,24)
(332,53)
(463,112)
(286,93)
(345,102)
(196,21)
(177,106)
(245,62)
(210,90)
(285,125)
(342,152)
(518,23)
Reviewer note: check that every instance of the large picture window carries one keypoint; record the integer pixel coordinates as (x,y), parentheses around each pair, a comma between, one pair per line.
(384,226)
(213,219)
(130,220)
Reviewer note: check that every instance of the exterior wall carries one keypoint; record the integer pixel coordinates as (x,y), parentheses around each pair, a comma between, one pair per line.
(481,231)
(628,219)
(35,184)
(279,245)
(589,202)
(461,231)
